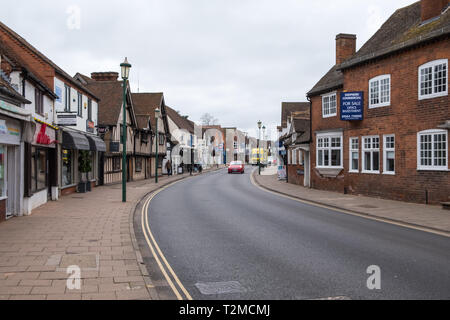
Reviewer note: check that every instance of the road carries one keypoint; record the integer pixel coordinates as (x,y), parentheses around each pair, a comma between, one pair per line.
(227,239)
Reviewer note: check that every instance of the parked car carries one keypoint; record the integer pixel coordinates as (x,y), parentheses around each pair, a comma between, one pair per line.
(236,167)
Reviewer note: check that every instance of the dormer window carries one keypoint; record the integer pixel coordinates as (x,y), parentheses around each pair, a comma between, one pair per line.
(433,79)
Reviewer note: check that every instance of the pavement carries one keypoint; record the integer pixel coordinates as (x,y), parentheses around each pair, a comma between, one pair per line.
(93,231)
(416,215)
(224,238)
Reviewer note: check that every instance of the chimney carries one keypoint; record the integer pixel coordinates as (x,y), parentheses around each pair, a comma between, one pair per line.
(105,76)
(432,8)
(345,47)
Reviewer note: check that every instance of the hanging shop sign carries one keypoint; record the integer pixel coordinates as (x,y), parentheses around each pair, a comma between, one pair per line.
(352,106)
(67,120)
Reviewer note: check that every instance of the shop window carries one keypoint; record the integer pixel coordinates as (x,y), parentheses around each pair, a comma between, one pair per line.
(371,152)
(38,169)
(67,168)
(2,171)
(389,154)
(433,79)
(329,151)
(354,155)
(432,150)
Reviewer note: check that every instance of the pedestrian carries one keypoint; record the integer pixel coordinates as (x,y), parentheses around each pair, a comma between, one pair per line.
(169,168)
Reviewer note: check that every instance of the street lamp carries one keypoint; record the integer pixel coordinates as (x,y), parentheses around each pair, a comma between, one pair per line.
(125,70)
(259,151)
(157,112)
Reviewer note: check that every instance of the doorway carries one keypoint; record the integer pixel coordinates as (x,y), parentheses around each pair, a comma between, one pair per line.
(12,181)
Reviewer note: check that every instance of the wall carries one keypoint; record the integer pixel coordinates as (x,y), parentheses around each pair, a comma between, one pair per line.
(405,117)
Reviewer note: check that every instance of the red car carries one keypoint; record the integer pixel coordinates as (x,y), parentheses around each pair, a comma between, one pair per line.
(236,167)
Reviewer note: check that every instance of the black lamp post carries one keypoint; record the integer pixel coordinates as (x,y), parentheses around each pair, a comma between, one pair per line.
(125,70)
(157,112)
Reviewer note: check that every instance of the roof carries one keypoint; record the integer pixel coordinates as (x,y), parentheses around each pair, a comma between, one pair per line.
(288,107)
(147,103)
(20,64)
(7,90)
(402,30)
(333,79)
(143,121)
(35,51)
(111,100)
(180,121)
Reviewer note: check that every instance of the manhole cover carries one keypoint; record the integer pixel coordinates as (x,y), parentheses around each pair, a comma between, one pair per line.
(81,260)
(210,288)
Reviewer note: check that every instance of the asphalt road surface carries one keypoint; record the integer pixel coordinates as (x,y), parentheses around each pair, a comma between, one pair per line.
(227,239)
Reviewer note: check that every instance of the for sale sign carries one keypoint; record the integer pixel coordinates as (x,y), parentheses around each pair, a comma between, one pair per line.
(352,106)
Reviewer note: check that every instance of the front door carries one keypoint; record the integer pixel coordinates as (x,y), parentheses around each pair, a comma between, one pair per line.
(11,185)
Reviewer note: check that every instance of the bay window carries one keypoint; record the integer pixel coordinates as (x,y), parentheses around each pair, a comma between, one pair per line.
(329,151)
(371,154)
(433,79)
(432,150)
(389,154)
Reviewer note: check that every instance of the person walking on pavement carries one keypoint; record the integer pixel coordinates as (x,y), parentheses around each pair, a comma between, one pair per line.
(169,168)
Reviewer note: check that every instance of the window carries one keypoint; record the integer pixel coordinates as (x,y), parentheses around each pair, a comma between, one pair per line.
(67,98)
(301,159)
(294,157)
(329,151)
(116,164)
(67,168)
(432,150)
(354,154)
(289,157)
(371,154)
(329,105)
(38,101)
(89,109)
(380,91)
(80,105)
(138,164)
(433,79)
(161,139)
(389,154)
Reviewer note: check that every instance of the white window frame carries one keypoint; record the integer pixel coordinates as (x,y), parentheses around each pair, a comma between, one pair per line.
(329,95)
(378,80)
(294,156)
(432,132)
(371,150)
(301,159)
(289,152)
(330,136)
(434,94)
(353,150)
(385,151)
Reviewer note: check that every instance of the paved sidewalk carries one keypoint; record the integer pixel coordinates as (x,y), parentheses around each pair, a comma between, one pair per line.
(92,230)
(432,217)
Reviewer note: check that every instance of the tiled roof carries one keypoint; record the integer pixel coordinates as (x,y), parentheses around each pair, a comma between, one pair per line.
(35,51)
(332,80)
(147,103)
(288,107)
(143,121)
(180,121)
(402,30)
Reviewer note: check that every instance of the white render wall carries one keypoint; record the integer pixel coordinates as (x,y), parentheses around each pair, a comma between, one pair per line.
(81,121)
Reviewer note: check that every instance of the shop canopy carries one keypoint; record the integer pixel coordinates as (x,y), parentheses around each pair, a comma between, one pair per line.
(75,141)
(96,144)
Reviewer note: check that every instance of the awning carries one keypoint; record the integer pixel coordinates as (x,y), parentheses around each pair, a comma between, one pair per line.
(96,144)
(75,141)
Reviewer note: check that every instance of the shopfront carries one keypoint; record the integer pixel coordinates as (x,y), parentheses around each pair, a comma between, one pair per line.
(11,175)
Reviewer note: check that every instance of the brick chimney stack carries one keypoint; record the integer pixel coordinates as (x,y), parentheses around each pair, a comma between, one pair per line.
(432,8)
(105,76)
(345,47)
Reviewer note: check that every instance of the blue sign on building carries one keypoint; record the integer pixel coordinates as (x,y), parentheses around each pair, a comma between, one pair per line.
(352,106)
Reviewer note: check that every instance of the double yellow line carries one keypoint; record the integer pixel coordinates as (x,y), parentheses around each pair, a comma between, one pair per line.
(171,278)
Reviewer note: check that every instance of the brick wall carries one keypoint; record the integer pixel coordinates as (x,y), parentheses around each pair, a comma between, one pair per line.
(405,117)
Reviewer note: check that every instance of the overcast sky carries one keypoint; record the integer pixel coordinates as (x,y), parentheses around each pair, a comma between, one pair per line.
(236,59)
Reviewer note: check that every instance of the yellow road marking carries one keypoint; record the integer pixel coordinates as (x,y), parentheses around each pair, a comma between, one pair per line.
(379,219)
(155,244)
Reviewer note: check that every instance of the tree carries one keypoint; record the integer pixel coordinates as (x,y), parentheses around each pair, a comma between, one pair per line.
(208,120)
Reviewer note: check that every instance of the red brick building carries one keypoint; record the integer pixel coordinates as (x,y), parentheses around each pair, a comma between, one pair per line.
(400,148)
